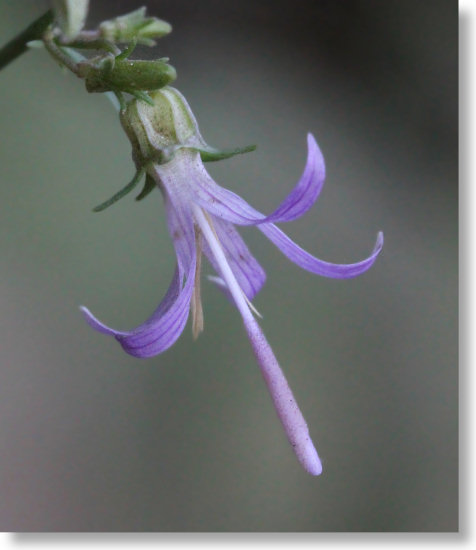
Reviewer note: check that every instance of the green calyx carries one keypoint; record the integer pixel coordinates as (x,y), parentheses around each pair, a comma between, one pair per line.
(207,155)
(160,127)
(157,129)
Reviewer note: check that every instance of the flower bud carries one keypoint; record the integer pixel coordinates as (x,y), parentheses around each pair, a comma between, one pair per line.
(106,74)
(134,26)
(71,16)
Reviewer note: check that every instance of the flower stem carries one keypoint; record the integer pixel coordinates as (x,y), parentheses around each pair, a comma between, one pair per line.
(87,40)
(18,45)
(59,54)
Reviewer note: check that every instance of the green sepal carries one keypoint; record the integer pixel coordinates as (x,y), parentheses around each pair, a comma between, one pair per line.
(207,154)
(211,154)
(149,186)
(143,96)
(128,50)
(122,193)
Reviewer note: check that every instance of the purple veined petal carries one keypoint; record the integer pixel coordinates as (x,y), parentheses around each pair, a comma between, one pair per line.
(229,206)
(164,326)
(157,335)
(96,324)
(181,231)
(169,298)
(179,216)
(172,176)
(218,201)
(248,272)
(305,260)
(306,191)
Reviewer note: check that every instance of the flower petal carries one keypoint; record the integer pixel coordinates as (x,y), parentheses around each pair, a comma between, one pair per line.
(169,298)
(180,226)
(229,206)
(174,177)
(248,272)
(164,326)
(306,191)
(305,260)
(167,322)
(162,330)
(177,206)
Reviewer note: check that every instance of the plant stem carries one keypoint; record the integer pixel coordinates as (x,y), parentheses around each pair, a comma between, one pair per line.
(18,45)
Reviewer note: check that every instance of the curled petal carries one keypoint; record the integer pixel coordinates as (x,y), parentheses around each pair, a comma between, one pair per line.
(229,206)
(307,190)
(163,328)
(166,324)
(248,272)
(305,260)
(169,298)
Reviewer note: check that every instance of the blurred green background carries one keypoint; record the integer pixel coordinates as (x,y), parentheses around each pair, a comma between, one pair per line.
(94,440)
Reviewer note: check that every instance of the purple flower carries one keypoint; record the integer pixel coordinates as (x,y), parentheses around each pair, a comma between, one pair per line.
(201,218)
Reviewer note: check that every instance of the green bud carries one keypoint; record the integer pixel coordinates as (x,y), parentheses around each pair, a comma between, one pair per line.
(106,74)
(134,26)
(71,16)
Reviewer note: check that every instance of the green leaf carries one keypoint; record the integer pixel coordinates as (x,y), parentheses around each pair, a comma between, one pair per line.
(128,50)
